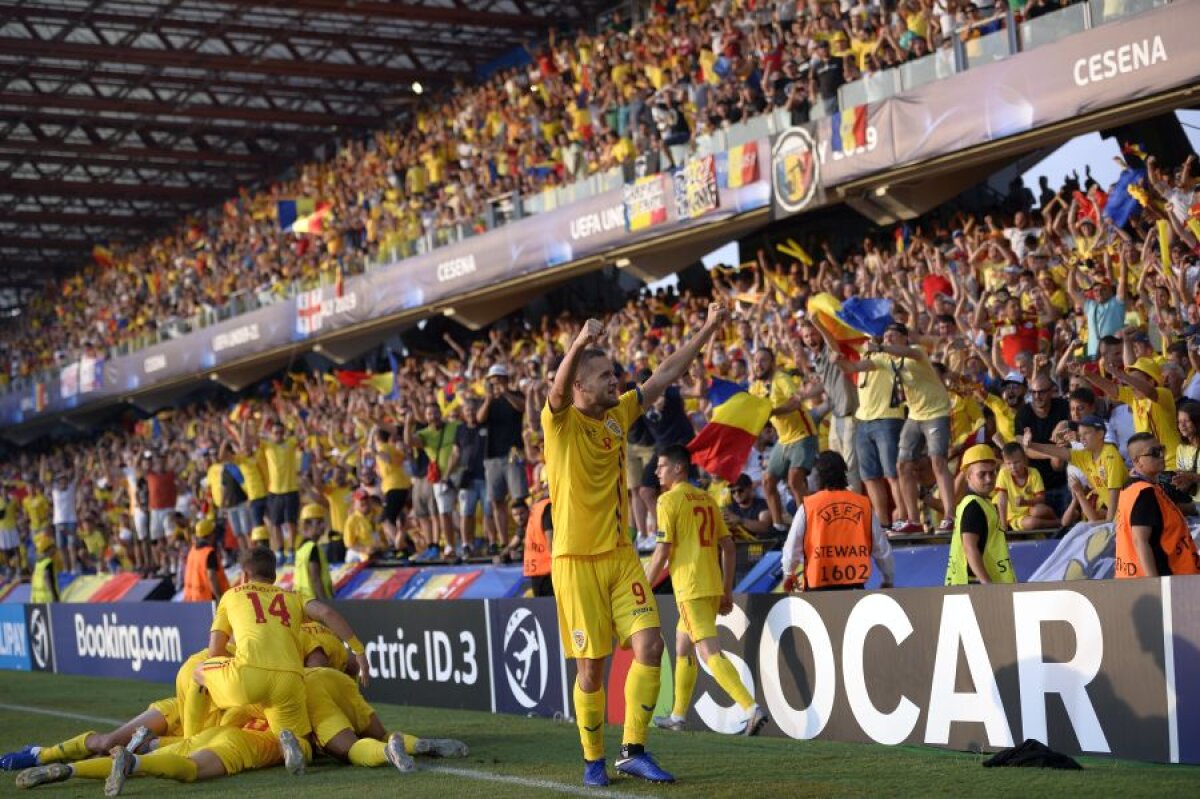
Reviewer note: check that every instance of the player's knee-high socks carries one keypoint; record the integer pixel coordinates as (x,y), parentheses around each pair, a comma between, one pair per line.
(98,768)
(729,680)
(686,672)
(410,743)
(196,708)
(368,752)
(641,695)
(589,715)
(67,751)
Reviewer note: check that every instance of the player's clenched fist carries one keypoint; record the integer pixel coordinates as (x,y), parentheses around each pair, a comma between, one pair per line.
(590,332)
(718,314)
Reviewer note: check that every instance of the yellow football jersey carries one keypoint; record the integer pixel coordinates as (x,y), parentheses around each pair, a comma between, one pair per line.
(254,486)
(317,636)
(389,465)
(265,621)
(1008,484)
(690,521)
(283,465)
(585,467)
(793,426)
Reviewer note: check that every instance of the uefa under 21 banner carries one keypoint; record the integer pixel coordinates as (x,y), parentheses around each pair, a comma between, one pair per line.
(1095,667)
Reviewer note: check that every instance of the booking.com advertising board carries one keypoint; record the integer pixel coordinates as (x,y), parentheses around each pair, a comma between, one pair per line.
(1089,667)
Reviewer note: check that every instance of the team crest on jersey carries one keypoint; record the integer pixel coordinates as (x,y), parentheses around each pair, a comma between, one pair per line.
(580,639)
(612,426)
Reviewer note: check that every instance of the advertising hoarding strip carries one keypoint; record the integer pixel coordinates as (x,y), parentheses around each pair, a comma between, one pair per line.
(816,662)
(1169,670)
(487,616)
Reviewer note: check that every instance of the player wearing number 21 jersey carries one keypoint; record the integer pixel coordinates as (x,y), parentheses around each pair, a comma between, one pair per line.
(599,585)
(268,668)
(691,533)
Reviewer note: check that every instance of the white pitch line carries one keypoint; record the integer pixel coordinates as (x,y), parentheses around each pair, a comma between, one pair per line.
(528,782)
(62,714)
(472,774)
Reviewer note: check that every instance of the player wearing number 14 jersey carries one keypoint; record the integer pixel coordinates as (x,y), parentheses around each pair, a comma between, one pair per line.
(599,585)
(691,531)
(268,668)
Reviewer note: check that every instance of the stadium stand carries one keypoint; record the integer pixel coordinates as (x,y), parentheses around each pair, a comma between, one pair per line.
(1003,300)
(628,99)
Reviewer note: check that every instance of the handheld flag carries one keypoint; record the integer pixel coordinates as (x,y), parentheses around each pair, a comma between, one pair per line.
(723,445)
(825,310)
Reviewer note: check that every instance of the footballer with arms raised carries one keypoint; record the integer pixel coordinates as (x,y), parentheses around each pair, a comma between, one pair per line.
(599,583)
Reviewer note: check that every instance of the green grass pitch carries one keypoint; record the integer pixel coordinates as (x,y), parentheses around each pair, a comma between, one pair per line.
(540,757)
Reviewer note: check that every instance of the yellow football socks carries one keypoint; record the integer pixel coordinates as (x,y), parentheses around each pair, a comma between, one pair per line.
(195,711)
(67,751)
(729,680)
(641,695)
(686,672)
(166,764)
(589,715)
(368,752)
(98,768)
(410,743)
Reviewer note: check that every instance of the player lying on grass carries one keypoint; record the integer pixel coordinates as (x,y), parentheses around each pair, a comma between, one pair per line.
(215,752)
(344,726)
(349,729)
(162,719)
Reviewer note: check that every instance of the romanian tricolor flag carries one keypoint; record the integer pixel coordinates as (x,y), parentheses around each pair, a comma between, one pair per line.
(724,444)
(314,222)
(102,256)
(849,130)
(742,165)
(288,211)
(825,310)
(903,236)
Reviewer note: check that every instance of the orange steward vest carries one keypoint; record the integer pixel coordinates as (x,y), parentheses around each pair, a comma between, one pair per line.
(1174,541)
(537,548)
(196,586)
(837,539)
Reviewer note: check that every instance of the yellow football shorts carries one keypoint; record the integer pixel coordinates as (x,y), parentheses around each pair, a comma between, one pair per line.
(601,596)
(698,617)
(238,749)
(335,704)
(280,693)
(169,710)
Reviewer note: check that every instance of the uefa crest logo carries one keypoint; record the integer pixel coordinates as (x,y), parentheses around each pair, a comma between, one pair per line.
(526,659)
(39,639)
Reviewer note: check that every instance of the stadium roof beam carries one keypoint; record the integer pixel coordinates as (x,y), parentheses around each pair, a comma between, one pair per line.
(142,123)
(196,110)
(416,13)
(47,243)
(157,80)
(33,187)
(78,219)
(346,39)
(48,145)
(214,61)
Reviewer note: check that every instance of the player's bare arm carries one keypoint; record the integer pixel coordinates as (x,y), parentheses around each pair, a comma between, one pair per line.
(319,611)
(564,378)
(674,366)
